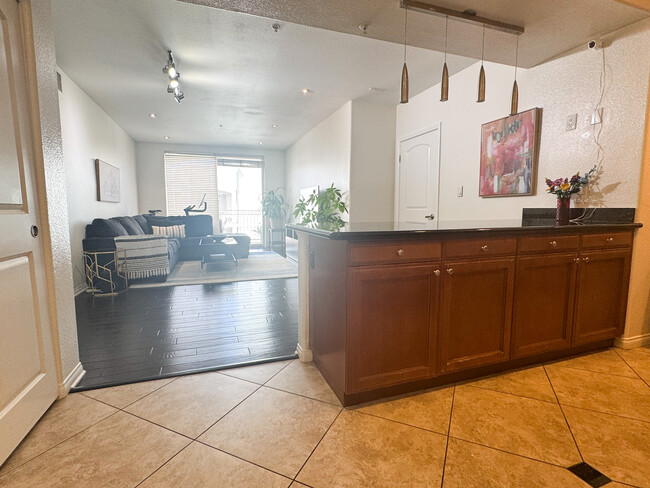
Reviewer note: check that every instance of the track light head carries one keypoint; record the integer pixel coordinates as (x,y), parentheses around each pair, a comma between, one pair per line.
(173,83)
(179,96)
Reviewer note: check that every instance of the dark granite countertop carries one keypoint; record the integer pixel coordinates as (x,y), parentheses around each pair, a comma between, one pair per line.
(381,230)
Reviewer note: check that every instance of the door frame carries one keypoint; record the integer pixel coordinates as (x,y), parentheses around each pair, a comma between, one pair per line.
(398,145)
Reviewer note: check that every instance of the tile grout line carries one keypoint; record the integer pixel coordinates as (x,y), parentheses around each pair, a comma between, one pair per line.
(630,366)
(303,396)
(295,478)
(163,464)
(564,415)
(444,462)
(395,421)
(203,443)
(512,394)
(635,377)
(58,444)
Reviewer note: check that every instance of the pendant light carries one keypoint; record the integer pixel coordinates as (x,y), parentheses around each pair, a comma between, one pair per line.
(444,85)
(514,104)
(481,76)
(404,98)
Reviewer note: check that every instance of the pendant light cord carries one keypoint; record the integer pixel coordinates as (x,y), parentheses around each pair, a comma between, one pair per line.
(516,57)
(483,46)
(405,22)
(446,31)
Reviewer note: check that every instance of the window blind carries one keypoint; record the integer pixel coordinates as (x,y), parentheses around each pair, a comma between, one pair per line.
(248,162)
(187,178)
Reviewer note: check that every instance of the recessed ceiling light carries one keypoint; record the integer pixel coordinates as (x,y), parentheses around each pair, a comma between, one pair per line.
(306,91)
(275,126)
(166,137)
(152,115)
(261,143)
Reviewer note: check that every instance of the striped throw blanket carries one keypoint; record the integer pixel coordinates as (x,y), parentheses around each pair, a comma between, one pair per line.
(145,256)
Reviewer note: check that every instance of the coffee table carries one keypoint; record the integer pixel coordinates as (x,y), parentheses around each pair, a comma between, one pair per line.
(217,250)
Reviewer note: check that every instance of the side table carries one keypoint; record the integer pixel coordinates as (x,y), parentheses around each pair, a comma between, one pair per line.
(105,272)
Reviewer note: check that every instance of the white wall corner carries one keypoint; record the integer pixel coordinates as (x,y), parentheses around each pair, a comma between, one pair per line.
(632,342)
(71,380)
(303,348)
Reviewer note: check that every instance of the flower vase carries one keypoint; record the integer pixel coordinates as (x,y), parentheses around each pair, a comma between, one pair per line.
(562,211)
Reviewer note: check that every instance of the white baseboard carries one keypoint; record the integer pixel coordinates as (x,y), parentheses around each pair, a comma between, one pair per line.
(78,290)
(305,355)
(71,380)
(632,342)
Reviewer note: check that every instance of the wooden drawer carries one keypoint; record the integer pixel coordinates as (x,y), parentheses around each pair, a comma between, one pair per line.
(612,239)
(399,252)
(479,247)
(549,244)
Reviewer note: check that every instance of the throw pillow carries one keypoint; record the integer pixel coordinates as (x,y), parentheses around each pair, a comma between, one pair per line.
(108,228)
(131,226)
(175,231)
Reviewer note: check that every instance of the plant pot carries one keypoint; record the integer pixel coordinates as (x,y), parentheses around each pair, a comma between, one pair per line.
(562,211)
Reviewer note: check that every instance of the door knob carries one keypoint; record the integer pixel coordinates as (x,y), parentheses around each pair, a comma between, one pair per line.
(430,217)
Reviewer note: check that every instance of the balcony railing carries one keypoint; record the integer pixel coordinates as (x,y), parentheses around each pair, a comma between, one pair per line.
(243,222)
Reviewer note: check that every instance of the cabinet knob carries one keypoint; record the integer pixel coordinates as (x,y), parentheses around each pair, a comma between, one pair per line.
(484,248)
(577,260)
(437,272)
(400,252)
(553,243)
(586,260)
(610,240)
(450,271)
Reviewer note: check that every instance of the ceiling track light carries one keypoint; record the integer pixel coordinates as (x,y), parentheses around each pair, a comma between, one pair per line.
(481,76)
(404,92)
(514,103)
(173,87)
(444,84)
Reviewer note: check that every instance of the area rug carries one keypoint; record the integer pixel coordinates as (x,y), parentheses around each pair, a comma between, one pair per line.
(258,266)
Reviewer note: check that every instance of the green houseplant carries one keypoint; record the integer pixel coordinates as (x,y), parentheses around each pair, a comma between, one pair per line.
(275,208)
(322,210)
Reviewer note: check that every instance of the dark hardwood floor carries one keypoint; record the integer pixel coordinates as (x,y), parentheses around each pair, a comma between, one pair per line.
(150,333)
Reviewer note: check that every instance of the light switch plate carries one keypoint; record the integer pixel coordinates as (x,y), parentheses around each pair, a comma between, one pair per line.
(571,122)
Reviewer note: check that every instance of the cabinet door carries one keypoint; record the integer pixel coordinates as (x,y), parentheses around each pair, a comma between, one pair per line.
(603,280)
(544,300)
(392,314)
(477,313)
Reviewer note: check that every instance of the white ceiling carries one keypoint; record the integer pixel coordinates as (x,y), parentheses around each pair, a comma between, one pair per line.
(235,70)
(238,73)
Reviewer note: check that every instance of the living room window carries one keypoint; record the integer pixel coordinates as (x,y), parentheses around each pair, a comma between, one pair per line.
(232,186)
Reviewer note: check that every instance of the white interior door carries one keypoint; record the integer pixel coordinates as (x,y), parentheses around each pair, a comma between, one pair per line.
(28,383)
(419,170)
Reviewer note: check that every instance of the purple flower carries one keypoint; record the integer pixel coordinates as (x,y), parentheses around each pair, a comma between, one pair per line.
(575,179)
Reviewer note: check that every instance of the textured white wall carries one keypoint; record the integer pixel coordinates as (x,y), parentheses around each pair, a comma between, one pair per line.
(322,156)
(151,169)
(567,85)
(89,134)
(55,184)
(372,179)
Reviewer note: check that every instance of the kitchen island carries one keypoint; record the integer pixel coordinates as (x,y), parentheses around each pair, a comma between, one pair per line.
(392,310)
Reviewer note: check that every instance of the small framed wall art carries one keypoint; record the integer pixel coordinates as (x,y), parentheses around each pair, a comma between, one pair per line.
(509,154)
(108,182)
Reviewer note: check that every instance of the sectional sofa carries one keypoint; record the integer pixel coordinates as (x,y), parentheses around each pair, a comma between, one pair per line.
(101,235)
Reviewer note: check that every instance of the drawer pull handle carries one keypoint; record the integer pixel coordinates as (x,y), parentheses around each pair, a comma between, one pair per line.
(437,272)
(553,243)
(586,260)
(484,248)
(450,271)
(400,252)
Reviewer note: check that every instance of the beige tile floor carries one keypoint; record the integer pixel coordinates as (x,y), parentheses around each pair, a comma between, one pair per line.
(279,425)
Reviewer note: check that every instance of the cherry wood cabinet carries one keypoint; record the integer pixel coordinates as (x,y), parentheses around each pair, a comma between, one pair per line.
(477,311)
(388,316)
(544,303)
(603,280)
(393,321)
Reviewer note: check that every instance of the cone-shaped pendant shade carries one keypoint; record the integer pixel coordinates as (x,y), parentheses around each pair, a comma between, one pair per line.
(481,86)
(444,86)
(405,85)
(514,105)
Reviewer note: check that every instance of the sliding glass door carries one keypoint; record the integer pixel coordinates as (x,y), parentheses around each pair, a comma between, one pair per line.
(240,194)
